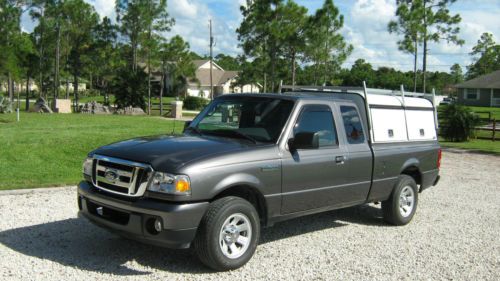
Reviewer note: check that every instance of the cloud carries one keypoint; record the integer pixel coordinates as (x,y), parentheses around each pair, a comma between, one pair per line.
(188,9)
(192,23)
(105,8)
(366,29)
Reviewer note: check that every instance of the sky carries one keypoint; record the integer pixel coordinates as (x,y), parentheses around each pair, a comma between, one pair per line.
(365,28)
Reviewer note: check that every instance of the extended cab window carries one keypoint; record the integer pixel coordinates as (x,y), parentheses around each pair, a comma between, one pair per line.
(317,119)
(352,125)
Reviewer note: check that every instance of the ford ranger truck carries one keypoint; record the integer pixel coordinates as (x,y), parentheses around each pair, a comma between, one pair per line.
(248,161)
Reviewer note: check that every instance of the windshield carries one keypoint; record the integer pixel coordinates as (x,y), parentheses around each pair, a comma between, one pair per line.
(257,119)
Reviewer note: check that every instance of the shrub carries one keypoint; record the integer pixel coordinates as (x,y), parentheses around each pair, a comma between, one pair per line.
(194,103)
(130,88)
(458,123)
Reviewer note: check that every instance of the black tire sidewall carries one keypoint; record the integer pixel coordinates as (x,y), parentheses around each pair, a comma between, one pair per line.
(404,181)
(233,206)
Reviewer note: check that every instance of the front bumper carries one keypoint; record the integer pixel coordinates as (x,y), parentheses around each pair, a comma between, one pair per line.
(134,220)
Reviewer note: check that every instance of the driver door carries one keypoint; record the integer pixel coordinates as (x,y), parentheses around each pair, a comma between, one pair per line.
(312,177)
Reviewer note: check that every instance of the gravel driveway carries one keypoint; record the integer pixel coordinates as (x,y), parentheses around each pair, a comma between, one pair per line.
(454,235)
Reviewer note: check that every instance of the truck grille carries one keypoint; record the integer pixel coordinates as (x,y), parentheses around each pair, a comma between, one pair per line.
(121,176)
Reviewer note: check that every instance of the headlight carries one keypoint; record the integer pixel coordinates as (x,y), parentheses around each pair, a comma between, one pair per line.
(170,184)
(87,166)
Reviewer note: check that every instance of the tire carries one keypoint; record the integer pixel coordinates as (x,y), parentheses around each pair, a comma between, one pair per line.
(222,243)
(401,206)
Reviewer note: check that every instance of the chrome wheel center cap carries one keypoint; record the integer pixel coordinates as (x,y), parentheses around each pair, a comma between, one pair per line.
(231,234)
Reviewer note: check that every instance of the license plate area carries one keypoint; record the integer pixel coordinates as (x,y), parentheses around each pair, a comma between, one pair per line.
(108,214)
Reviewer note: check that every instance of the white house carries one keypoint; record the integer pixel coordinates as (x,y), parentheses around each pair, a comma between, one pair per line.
(222,81)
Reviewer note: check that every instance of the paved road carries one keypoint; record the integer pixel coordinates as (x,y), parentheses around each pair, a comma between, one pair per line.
(455,235)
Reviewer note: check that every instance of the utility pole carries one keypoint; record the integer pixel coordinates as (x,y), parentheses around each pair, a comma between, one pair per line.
(211,62)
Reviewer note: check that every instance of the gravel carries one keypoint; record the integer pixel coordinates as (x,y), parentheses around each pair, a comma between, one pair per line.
(454,235)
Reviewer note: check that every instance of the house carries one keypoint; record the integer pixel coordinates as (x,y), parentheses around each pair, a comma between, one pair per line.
(481,91)
(222,81)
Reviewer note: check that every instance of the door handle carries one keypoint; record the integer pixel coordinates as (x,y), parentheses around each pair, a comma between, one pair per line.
(340,159)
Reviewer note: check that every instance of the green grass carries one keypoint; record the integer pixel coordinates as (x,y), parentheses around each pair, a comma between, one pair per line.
(481,111)
(48,149)
(495,111)
(479,145)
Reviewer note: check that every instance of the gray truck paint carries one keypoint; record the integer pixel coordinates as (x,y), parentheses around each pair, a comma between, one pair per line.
(289,183)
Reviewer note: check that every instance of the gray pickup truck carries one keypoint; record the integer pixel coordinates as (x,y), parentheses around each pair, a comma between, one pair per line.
(248,161)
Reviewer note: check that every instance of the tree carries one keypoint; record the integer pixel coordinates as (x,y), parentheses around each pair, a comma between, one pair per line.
(176,67)
(130,88)
(292,33)
(486,55)
(432,22)
(10,31)
(28,59)
(327,48)
(142,21)
(456,73)
(227,62)
(81,21)
(361,71)
(37,12)
(104,59)
(408,26)
(259,36)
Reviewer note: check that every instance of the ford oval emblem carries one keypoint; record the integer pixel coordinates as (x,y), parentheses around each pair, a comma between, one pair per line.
(111,175)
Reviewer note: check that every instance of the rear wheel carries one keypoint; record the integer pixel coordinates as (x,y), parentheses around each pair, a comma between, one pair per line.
(228,234)
(400,208)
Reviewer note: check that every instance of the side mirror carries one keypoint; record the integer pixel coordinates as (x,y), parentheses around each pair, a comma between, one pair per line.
(304,140)
(186,124)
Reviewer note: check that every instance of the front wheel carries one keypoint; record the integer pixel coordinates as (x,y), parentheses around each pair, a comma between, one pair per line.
(228,234)
(400,208)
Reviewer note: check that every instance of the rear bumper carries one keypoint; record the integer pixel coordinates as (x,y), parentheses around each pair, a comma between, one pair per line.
(135,220)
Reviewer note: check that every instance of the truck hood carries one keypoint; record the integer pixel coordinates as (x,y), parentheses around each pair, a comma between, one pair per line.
(169,153)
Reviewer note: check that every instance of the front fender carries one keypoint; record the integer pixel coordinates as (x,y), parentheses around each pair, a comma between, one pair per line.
(237,179)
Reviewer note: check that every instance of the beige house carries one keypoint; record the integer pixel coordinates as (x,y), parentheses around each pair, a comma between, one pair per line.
(222,81)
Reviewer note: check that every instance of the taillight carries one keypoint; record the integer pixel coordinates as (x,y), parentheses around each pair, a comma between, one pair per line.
(439,159)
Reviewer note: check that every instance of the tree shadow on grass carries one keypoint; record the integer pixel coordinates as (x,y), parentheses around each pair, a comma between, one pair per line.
(77,243)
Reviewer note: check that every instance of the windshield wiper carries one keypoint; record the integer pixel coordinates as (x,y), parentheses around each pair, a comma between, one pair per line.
(243,136)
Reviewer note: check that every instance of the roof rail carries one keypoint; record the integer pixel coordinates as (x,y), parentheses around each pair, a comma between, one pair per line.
(350,88)
(321,88)
(364,91)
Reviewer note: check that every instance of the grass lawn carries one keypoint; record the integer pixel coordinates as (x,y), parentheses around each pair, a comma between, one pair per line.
(495,111)
(48,149)
(479,144)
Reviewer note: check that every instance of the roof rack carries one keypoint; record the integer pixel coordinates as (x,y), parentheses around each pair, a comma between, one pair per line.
(364,92)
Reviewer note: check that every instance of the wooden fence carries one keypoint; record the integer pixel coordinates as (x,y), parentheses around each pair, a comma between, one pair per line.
(492,129)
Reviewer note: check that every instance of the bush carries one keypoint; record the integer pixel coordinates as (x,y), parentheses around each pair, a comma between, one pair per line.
(195,103)
(130,89)
(458,123)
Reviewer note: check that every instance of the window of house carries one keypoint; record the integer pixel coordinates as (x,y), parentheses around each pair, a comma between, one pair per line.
(496,93)
(318,119)
(352,125)
(471,94)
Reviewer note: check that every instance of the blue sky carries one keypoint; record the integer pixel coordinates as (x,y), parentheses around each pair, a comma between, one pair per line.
(365,28)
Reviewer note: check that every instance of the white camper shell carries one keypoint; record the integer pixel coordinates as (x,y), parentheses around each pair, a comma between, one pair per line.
(399,119)
(394,116)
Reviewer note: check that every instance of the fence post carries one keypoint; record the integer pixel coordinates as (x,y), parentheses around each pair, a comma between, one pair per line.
(494,129)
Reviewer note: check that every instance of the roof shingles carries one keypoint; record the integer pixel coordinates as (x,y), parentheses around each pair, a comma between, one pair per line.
(487,81)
